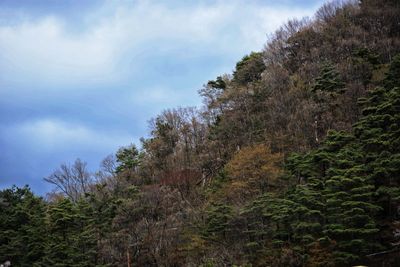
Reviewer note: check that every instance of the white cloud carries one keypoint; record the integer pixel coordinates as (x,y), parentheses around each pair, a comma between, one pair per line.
(47,54)
(50,135)
(44,52)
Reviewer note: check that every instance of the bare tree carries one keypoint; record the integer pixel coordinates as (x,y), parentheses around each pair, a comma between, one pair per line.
(107,175)
(73,181)
(108,165)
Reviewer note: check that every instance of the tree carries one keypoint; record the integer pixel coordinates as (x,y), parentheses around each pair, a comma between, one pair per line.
(379,134)
(350,204)
(328,86)
(249,69)
(217,222)
(73,181)
(127,159)
(22,227)
(254,169)
(71,239)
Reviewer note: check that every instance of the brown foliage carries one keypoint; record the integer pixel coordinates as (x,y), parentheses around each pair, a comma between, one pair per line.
(254,169)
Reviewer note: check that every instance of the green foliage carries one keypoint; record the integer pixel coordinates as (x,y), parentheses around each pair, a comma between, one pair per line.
(219,83)
(21,222)
(71,235)
(249,69)
(329,81)
(365,63)
(268,219)
(346,173)
(218,219)
(127,159)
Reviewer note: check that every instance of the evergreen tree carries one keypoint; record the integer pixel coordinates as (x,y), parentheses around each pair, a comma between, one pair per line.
(62,246)
(218,220)
(249,69)
(350,204)
(22,227)
(127,159)
(379,134)
(329,81)
(328,86)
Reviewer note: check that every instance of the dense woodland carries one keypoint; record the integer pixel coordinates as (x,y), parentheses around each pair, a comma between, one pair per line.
(293,160)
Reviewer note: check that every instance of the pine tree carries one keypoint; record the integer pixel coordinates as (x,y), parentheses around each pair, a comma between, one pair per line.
(85,237)
(271,227)
(328,86)
(350,204)
(22,227)
(379,133)
(217,223)
(61,247)
(329,81)
(127,159)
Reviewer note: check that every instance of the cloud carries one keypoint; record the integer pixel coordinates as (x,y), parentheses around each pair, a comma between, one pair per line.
(33,149)
(47,53)
(50,135)
(43,53)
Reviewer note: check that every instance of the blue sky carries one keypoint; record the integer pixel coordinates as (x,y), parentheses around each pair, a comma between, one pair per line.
(82,78)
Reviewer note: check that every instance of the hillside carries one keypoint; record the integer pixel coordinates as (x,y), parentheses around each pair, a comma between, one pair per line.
(293,160)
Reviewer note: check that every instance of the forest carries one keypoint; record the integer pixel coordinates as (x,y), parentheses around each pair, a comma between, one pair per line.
(292,160)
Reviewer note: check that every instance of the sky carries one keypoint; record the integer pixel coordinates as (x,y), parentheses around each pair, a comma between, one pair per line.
(79,79)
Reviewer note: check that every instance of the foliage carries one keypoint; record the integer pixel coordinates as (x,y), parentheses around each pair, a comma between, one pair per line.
(294,160)
(127,159)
